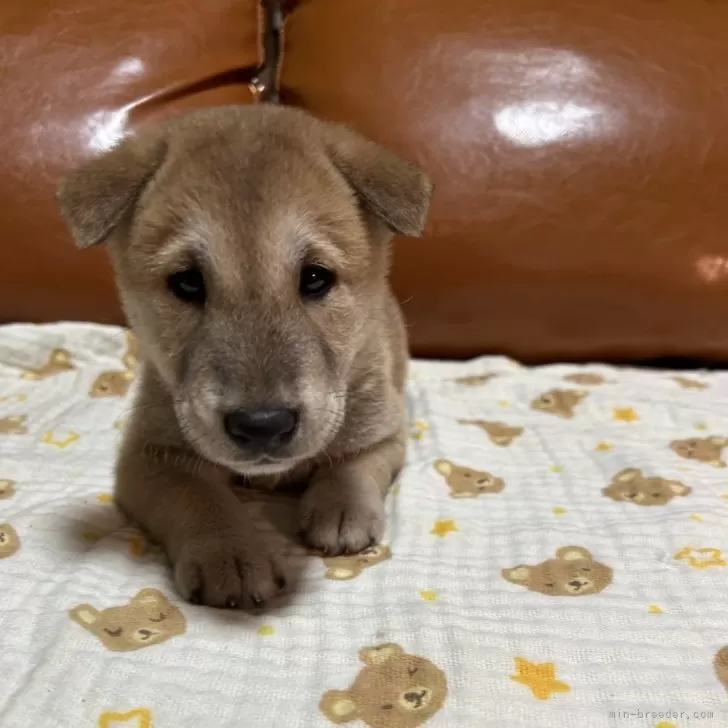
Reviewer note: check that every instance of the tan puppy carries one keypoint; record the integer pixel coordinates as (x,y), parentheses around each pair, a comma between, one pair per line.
(250,246)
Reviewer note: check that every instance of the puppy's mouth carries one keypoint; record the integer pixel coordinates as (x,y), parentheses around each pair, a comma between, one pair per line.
(265,465)
(247,453)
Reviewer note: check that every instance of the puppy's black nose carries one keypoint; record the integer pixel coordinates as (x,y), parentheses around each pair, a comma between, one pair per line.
(261,427)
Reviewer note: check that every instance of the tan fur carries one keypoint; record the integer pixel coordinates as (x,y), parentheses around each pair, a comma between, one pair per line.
(573,573)
(559,402)
(632,486)
(393,690)
(466,483)
(249,195)
(705,450)
(499,433)
(149,619)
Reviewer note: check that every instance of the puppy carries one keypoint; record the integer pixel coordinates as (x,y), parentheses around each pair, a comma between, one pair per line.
(250,249)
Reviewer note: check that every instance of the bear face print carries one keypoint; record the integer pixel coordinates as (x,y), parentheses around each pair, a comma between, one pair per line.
(721,666)
(117,383)
(58,362)
(705,450)
(393,690)
(477,380)
(499,433)
(148,619)
(14,425)
(112,384)
(585,379)
(687,383)
(9,541)
(342,568)
(7,489)
(632,486)
(573,573)
(559,402)
(467,483)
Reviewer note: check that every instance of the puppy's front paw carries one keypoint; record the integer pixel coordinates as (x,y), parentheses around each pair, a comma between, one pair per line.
(227,571)
(341,520)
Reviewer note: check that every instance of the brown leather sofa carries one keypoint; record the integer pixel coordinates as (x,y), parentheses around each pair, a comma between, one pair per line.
(579,151)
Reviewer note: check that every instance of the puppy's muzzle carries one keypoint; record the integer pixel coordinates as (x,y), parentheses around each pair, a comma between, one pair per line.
(262,430)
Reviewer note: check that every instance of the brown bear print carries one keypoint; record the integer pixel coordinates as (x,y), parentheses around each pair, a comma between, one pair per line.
(631,485)
(559,402)
(7,489)
(9,540)
(58,362)
(687,383)
(342,568)
(721,666)
(14,425)
(116,383)
(705,450)
(148,619)
(393,690)
(476,380)
(585,379)
(467,483)
(112,384)
(499,433)
(573,573)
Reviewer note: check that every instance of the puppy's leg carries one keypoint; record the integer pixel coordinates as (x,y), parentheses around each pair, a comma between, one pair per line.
(218,557)
(343,509)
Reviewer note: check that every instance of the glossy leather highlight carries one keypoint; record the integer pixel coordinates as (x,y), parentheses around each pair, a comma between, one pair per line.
(580,157)
(73,76)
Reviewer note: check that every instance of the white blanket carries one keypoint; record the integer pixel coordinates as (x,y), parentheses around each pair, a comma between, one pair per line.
(556,557)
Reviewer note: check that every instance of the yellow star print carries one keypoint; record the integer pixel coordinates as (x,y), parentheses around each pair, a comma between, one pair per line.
(604,447)
(139,718)
(625,414)
(50,439)
(654,609)
(428,595)
(265,630)
(701,558)
(540,677)
(418,429)
(442,528)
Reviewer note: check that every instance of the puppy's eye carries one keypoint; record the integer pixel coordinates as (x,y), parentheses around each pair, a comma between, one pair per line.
(316,281)
(188,285)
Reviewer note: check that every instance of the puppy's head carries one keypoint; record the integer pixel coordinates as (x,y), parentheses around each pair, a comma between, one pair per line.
(250,250)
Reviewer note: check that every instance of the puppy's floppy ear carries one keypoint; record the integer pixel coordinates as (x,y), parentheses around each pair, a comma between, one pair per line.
(98,195)
(394,190)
